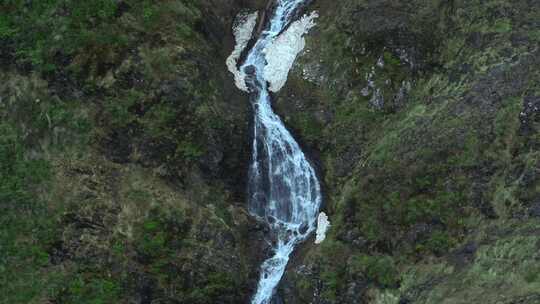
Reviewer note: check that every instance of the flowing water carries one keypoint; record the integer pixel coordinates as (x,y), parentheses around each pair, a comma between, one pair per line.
(283,187)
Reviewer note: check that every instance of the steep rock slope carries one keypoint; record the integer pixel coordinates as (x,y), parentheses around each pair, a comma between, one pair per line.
(424,118)
(123,147)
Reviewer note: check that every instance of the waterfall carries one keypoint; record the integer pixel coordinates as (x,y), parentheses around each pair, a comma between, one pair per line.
(283,188)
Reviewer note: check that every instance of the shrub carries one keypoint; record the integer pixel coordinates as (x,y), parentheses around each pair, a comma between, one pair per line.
(439,242)
(27,225)
(17,174)
(218,286)
(160,234)
(91,291)
(380,270)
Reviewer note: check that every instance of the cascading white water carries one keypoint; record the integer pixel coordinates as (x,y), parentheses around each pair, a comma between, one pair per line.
(283,187)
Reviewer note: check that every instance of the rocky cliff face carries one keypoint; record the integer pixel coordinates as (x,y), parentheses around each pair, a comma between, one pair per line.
(421,116)
(124,145)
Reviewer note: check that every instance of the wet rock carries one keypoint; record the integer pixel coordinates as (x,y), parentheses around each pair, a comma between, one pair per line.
(377,100)
(530,114)
(250,70)
(400,98)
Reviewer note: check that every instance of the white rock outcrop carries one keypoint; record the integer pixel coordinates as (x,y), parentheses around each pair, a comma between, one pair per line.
(242,34)
(282,52)
(322,227)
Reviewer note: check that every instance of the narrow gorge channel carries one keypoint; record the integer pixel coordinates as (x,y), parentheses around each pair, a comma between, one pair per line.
(283,187)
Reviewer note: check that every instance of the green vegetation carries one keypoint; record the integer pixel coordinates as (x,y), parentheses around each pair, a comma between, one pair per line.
(44,31)
(380,270)
(28,230)
(439,243)
(413,175)
(18,175)
(91,291)
(123,147)
(503,26)
(115,134)
(390,59)
(218,285)
(160,234)
(91,34)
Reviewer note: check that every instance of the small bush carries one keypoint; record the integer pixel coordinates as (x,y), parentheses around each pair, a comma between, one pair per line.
(92,291)
(160,234)
(28,229)
(439,242)
(218,285)
(380,270)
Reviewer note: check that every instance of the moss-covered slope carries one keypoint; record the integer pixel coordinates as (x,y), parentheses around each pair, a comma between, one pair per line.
(424,117)
(122,148)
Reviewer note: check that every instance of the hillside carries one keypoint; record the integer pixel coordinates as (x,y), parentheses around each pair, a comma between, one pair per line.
(125,147)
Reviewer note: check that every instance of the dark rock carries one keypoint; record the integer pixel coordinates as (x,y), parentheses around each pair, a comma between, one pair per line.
(145,289)
(418,232)
(464,255)
(121,8)
(354,291)
(58,253)
(469,248)
(211,160)
(404,301)
(250,70)
(118,146)
(534,210)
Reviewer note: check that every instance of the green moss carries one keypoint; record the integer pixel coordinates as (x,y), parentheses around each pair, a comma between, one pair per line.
(189,151)
(91,291)
(503,26)
(332,284)
(92,33)
(118,110)
(380,270)
(160,234)
(312,130)
(532,275)
(467,156)
(506,126)
(217,285)
(390,59)
(304,285)
(156,16)
(6,29)
(28,223)
(17,174)
(333,271)
(159,119)
(85,28)
(439,243)
(534,35)
(150,226)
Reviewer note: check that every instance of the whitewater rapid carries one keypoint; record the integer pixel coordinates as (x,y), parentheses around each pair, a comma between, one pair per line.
(283,188)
